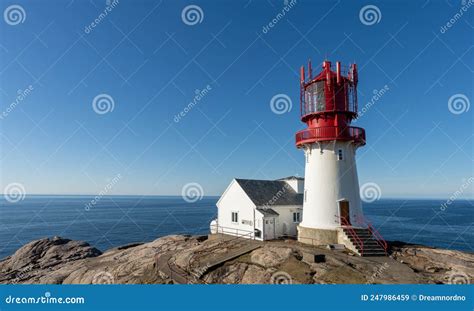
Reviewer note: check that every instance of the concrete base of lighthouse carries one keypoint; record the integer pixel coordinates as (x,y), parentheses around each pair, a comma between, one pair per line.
(317,236)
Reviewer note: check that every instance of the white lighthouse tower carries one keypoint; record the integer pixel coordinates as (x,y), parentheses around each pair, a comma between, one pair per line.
(332,209)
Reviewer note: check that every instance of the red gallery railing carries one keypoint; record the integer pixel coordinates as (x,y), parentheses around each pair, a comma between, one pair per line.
(328,133)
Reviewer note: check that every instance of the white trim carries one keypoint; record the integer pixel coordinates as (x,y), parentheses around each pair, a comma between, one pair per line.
(225,191)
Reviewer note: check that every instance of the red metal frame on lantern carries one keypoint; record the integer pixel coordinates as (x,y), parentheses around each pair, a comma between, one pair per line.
(329,108)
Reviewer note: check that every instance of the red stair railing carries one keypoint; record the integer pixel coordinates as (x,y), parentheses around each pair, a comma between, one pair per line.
(348,226)
(378,237)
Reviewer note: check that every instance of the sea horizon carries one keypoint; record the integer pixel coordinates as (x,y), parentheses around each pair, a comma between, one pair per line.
(216,196)
(116,220)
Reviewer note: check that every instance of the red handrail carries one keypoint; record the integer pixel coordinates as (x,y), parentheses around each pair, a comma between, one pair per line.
(378,237)
(346,223)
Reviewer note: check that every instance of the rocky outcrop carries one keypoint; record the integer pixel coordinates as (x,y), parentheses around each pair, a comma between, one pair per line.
(39,261)
(180,259)
(439,265)
(269,256)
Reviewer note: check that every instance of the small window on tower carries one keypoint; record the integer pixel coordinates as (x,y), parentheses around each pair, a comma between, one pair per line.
(339,155)
(305,194)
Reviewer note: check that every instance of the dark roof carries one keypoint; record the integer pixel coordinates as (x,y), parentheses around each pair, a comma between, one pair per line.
(291,178)
(270,192)
(267,212)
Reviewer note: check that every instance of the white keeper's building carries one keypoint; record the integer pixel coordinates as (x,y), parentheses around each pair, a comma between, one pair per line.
(260,209)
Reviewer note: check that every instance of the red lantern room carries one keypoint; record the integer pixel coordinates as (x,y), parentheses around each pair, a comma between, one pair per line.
(328,104)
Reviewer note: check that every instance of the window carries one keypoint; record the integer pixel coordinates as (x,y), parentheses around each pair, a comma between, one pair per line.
(297,217)
(305,194)
(315,99)
(235,217)
(339,155)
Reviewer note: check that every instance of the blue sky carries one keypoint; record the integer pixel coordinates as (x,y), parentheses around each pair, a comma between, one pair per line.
(150,62)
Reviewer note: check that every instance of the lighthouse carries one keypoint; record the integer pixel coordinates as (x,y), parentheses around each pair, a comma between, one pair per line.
(332,209)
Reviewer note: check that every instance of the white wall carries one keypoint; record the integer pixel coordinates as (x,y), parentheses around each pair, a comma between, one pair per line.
(296,184)
(286,217)
(235,199)
(328,180)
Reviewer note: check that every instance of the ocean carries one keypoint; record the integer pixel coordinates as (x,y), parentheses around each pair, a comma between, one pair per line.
(119,220)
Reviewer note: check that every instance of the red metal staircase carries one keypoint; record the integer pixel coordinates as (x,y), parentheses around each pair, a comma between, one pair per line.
(367,241)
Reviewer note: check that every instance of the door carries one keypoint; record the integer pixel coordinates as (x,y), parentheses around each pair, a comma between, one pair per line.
(269,228)
(344,213)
